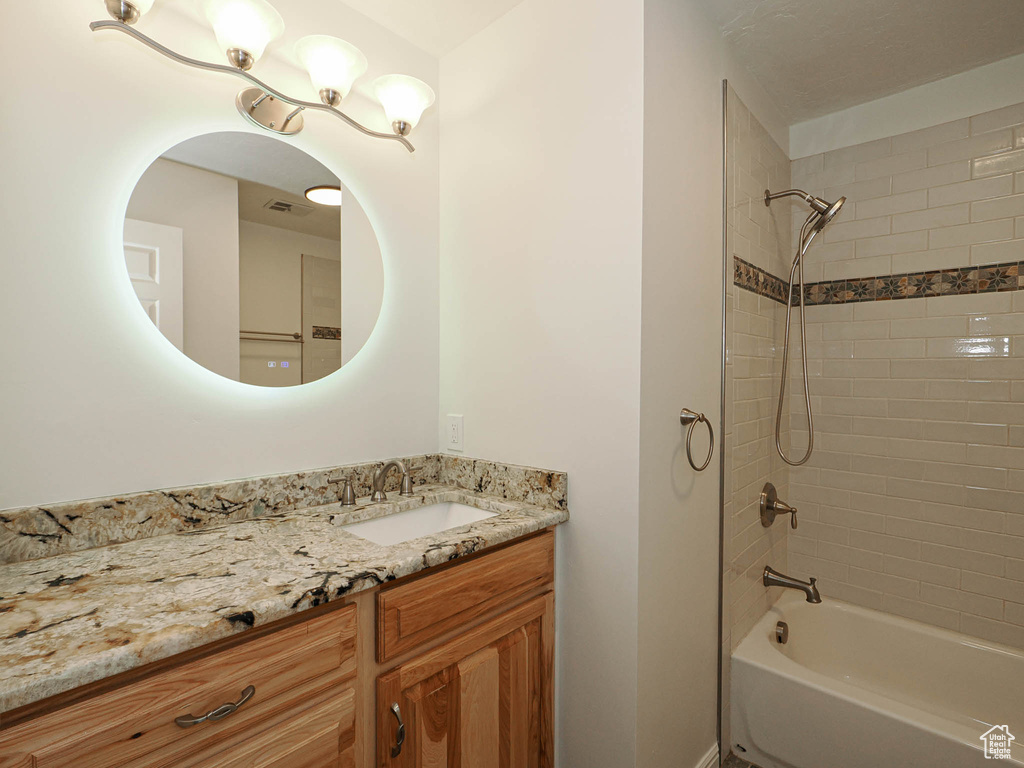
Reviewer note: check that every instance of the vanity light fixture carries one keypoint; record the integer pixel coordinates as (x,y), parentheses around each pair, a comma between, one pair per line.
(324,194)
(404,98)
(333,66)
(126,12)
(244,29)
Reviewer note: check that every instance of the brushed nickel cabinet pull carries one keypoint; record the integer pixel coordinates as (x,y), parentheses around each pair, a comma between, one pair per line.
(400,735)
(187,721)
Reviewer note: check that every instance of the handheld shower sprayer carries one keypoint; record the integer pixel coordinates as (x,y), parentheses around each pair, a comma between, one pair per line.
(822,212)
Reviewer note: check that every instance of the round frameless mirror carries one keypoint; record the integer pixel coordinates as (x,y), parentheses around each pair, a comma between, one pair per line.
(253,259)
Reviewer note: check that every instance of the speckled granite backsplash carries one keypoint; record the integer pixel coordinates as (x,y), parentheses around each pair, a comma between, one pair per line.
(28,533)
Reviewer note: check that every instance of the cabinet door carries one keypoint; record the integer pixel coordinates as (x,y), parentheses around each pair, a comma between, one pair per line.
(482,700)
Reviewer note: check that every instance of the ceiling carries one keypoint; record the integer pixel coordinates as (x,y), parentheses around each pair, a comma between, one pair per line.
(820,56)
(304,216)
(253,157)
(436,26)
(267,170)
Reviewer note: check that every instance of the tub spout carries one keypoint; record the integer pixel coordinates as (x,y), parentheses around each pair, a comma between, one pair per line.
(773,578)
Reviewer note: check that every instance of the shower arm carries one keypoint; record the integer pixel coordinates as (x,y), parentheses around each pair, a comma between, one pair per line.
(819,205)
(769,196)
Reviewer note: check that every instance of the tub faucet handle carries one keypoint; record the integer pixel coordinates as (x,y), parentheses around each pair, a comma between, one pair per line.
(771,507)
(781,508)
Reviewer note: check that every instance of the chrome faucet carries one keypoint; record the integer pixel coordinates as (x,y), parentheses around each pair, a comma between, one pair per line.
(773,578)
(381,475)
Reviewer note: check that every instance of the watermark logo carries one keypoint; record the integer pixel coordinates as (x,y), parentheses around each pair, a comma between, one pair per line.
(997,742)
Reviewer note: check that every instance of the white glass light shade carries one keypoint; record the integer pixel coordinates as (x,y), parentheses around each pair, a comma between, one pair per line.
(142,6)
(404,98)
(247,25)
(331,62)
(324,195)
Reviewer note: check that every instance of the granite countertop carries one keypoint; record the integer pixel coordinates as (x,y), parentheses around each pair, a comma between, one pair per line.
(74,618)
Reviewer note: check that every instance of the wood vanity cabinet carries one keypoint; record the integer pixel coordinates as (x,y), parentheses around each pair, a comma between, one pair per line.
(482,697)
(479,700)
(304,681)
(464,650)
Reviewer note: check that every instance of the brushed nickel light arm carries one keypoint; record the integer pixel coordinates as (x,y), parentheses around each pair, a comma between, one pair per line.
(249,99)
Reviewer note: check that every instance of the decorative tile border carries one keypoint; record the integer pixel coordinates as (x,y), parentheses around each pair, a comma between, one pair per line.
(757,280)
(326,332)
(990,278)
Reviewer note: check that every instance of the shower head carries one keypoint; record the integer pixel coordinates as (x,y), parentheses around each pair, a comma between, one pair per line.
(826,211)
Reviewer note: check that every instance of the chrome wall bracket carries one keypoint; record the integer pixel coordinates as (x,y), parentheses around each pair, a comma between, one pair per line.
(281,116)
(267,112)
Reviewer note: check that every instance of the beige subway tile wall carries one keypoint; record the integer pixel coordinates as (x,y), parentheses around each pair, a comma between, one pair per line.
(760,236)
(754,325)
(913,502)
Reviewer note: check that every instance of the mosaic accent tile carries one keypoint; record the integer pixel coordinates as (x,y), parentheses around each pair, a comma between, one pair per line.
(757,280)
(326,332)
(918,285)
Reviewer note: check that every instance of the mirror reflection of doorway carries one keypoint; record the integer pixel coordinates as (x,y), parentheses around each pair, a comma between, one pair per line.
(290,316)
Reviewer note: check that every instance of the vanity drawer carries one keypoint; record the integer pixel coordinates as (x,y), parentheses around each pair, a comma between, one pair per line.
(418,611)
(322,736)
(135,724)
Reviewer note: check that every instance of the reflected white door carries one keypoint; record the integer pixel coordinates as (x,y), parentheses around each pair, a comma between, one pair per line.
(153,255)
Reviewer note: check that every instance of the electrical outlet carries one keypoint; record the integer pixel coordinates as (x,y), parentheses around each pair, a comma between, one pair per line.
(454,442)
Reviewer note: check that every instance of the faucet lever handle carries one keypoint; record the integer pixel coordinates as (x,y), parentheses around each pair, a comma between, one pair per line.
(771,506)
(406,484)
(348,495)
(783,508)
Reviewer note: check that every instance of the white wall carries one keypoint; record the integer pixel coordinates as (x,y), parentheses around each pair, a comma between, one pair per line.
(969,93)
(540,314)
(563,211)
(685,61)
(205,206)
(117,408)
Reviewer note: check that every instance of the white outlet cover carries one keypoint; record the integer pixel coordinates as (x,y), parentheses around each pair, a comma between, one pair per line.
(454,432)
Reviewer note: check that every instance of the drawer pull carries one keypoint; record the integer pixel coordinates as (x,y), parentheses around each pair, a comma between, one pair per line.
(400,734)
(187,721)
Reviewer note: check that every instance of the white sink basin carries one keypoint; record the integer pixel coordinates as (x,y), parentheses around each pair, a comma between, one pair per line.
(423,521)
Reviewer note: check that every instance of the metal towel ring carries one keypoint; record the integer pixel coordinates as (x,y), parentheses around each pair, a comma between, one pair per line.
(686,416)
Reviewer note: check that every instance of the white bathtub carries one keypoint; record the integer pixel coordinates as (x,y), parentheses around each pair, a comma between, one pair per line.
(856,688)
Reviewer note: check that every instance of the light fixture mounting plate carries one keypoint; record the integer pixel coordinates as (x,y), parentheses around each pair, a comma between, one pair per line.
(268,113)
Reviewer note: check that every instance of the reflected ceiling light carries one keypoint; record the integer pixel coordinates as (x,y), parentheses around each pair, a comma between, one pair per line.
(244,29)
(404,98)
(324,194)
(333,65)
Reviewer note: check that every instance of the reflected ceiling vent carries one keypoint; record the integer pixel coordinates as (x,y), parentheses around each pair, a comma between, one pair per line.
(293,209)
